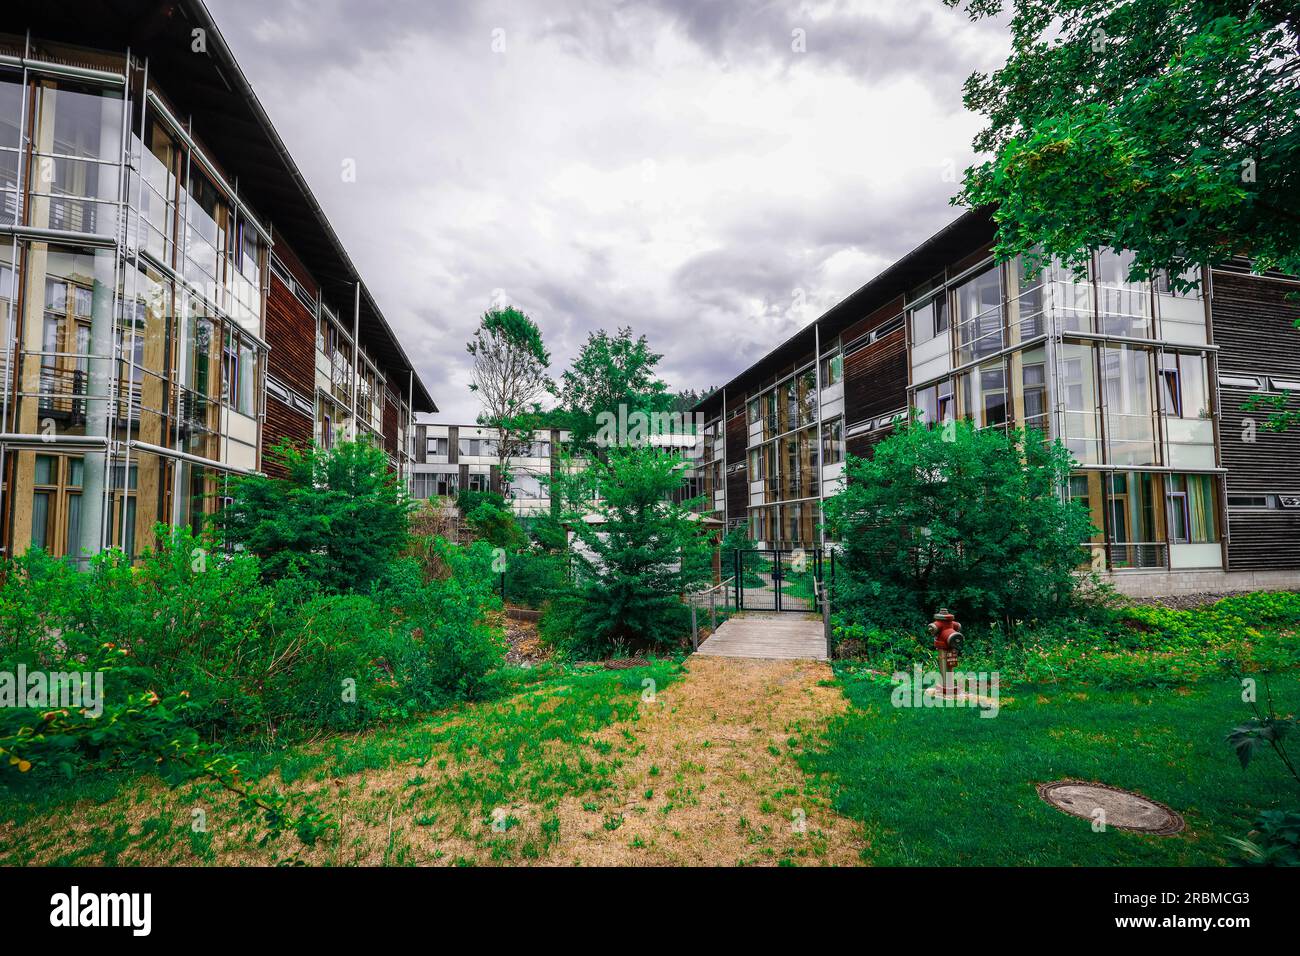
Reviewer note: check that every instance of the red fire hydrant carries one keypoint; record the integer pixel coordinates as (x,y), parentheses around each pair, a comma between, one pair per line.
(946,631)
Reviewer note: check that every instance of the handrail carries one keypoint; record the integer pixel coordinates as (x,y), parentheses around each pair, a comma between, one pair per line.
(691,599)
(717,587)
(823,594)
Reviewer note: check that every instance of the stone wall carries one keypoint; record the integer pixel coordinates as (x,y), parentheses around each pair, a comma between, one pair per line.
(1210,581)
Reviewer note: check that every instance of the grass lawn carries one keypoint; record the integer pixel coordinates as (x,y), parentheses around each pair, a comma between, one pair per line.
(947,787)
(446,789)
(573,766)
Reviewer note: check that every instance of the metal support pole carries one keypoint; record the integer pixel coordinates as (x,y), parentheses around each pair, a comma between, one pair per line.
(356,355)
(695,631)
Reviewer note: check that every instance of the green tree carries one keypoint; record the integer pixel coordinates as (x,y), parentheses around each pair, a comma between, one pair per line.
(611,372)
(636,551)
(338,519)
(1167,127)
(510,377)
(955,516)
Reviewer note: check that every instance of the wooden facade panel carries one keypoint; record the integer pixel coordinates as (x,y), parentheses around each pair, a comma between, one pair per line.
(737,438)
(291,333)
(391,415)
(295,268)
(875,378)
(1254,325)
(283,422)
(1259,462)
(864,445)
(889,310)
(1263,541)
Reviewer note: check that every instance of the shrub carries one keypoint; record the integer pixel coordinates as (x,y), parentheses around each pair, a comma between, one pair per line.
(955,516)
(454,642)
(339,518)
(535,577)
(490,518)
(274,660)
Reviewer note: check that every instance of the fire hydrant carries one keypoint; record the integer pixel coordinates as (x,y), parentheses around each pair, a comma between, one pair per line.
(946,631)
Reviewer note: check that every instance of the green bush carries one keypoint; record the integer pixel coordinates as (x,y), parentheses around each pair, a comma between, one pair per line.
(535,577)
(491,519)
(253,659)
(455,645)
(955,516)
(339,519)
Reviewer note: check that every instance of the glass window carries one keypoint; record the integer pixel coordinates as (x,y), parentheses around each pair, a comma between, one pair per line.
(833,441)
(1183,386)
(207,220)
(1136,531)
(1033,408)
(929,319)
(153,189)
(1130,406)
(1025,300)
(1079,401)
(246,399)
(977,315)
(77,153)
(1085,488)
(1125,307)
(1192,510)
(11,106)
(806,396)
(1165,283)
(832,370)
(753,410)
(75,291)
(983,395)
(926,404)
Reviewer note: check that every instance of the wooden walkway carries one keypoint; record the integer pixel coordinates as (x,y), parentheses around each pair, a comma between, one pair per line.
(780,636)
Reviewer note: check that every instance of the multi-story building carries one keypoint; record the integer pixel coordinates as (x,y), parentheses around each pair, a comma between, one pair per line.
(448,458)
(173,301)
(1142,383)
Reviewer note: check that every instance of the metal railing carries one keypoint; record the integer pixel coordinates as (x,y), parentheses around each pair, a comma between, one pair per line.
(823,595)
(709,596)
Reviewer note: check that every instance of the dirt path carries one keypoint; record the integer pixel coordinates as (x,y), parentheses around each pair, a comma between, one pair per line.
(712,777)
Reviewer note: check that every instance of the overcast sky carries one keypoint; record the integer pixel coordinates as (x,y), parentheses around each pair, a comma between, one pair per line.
(679,166)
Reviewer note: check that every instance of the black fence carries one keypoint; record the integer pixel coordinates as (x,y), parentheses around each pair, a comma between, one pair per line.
(780,579)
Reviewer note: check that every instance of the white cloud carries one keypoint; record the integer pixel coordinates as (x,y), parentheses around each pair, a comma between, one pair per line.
(680,170)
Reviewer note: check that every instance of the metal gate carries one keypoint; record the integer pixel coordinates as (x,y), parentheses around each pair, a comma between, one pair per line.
(779,579)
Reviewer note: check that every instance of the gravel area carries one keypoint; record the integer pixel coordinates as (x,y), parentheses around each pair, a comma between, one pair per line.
(1183,602)
(525,646)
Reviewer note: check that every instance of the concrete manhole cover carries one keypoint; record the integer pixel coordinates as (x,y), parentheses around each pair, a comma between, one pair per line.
(1119,808)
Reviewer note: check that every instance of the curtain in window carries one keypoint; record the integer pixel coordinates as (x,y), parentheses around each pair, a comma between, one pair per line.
(1200,503)
(40,519)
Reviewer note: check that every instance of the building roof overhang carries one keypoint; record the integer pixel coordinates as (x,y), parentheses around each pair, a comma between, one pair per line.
(959,238)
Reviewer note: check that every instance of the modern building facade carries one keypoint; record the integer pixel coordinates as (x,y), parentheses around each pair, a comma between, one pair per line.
(173,301)
(1143,384)
(449,458)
